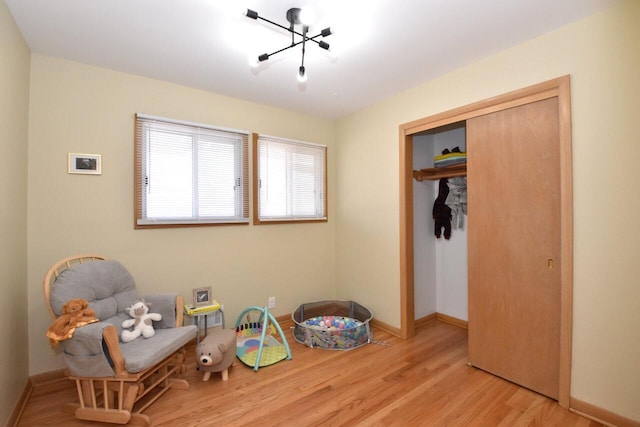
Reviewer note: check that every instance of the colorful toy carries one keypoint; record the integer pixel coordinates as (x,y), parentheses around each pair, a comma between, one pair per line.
(258,344)
(332,325)
(216,353)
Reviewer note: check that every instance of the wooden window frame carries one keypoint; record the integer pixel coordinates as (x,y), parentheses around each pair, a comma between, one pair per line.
(139,179)
(256,189)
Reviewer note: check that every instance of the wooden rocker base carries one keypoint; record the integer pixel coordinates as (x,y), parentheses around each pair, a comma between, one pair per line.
(114,416)
(122,400)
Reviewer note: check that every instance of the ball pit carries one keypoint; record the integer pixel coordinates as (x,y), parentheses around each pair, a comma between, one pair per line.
(332,325)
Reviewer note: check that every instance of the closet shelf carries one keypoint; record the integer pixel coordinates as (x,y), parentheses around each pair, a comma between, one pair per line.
(437,173)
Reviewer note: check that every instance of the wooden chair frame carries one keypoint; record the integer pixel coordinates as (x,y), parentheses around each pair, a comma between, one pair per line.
(120,399)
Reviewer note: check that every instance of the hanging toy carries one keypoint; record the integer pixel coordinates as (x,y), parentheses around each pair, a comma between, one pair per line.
(442,212)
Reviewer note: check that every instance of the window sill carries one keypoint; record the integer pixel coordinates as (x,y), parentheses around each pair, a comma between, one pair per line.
(142,224)
(288,220)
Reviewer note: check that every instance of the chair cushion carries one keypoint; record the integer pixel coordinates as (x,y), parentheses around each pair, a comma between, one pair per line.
(85,357)
(106,285)
(142,353)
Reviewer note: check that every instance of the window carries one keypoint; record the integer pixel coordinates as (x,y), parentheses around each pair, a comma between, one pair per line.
(189,174)
(290,180)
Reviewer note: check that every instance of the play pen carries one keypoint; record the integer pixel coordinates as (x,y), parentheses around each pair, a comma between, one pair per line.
(333,325)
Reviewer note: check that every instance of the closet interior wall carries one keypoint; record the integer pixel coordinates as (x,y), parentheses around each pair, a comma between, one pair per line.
(440,265)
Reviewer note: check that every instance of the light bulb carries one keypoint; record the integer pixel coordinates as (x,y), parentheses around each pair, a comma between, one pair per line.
(308,16)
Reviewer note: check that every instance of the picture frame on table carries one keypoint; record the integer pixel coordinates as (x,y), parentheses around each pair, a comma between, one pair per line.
(202,296)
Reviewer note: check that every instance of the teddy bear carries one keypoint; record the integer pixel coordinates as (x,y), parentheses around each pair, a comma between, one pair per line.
(216,353)
(141,322)
(75,313)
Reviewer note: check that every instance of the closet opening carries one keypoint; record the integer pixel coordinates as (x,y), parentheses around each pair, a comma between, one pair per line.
(440,225)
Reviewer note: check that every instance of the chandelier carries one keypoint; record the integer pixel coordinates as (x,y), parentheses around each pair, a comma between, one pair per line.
(302,18)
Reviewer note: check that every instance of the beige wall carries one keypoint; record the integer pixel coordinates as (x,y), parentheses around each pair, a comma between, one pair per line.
(85,109)
(602,55)
(14,109)
(78,108)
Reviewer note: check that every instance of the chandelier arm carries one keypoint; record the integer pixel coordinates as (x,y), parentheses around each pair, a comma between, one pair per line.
(293,31)
(278,25)
(284,48)
(295,44)
(304,43)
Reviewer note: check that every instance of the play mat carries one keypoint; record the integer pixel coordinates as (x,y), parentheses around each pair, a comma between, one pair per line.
(260,340)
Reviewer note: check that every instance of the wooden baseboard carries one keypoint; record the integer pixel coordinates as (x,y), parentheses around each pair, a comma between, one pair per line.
(18,409)
(600,415)
(48,377)
(452,321)
(285,321)
(32,382)
(385,327)
(443,318)
(424,320)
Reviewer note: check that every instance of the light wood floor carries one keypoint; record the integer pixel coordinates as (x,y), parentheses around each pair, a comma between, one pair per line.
(424,381)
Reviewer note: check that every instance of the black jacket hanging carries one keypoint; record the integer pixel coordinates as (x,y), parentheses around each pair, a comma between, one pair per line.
(442,212)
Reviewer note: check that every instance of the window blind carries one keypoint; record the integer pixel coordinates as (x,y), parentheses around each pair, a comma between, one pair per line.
(188,173)
(291,180)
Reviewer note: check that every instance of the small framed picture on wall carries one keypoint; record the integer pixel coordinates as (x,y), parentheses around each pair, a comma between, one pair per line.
(88,164)
(202,296)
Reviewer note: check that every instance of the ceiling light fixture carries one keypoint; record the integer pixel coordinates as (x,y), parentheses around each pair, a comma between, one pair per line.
(295,16)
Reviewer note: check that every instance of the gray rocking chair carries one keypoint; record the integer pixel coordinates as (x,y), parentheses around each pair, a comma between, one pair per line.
(116,381)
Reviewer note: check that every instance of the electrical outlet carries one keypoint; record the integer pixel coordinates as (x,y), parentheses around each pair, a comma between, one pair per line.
(272,302)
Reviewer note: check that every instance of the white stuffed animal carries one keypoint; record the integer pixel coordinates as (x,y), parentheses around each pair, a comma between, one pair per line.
(141,322)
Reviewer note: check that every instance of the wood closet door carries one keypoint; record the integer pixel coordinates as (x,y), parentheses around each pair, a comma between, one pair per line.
(514,244)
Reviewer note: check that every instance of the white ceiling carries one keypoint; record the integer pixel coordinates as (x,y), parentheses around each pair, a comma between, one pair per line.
(380,47)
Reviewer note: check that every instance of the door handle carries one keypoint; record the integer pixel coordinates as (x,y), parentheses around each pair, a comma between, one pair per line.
(550,263)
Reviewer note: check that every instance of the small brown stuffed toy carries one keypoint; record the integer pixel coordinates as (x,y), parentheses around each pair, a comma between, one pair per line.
(75,313)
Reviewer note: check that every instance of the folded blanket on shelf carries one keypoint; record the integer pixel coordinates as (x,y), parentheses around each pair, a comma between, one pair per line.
(449,162)
(449,158)
(453,155)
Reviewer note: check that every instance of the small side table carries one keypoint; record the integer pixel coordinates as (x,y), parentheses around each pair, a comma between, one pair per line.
(200,320)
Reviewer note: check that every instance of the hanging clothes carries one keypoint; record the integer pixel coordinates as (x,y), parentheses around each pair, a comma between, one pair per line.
(441,212)
(457,200)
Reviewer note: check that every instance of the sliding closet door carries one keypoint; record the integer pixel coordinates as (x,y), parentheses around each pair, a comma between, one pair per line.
(514,244)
